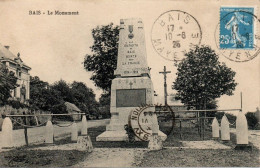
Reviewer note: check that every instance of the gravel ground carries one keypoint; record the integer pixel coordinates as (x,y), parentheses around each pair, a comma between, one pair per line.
(112,157)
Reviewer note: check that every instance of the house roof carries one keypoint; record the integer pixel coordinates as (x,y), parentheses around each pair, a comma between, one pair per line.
(71,107)
(6,54)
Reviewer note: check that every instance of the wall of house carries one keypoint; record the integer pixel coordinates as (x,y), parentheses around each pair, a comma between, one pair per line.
(23,80)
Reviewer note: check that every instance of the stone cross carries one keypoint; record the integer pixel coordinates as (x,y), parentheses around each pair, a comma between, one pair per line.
(165,84)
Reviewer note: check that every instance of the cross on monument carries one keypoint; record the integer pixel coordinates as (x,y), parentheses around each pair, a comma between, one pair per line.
(165,84)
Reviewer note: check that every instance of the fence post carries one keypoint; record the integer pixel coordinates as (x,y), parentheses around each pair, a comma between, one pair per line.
(84,126)
(225,132)
(7,133)
(25,129)
(49,132)
(74,132)
(215,128)
(242,132)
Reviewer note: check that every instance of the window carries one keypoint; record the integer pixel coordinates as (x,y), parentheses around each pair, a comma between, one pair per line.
(15,92)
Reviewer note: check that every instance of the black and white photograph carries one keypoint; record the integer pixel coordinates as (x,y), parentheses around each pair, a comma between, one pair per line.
(121,83)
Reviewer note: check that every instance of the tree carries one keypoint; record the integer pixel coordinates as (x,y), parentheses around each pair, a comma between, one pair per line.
(201,78)
(104,102)
(41,95)
(8,82)
(251,120)
(84,98)
(64,93)
(103,59)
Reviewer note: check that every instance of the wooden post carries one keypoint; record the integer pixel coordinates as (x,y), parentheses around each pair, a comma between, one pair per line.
(241,100)
(204,118)
(197,114)
(180,131)
(25,129)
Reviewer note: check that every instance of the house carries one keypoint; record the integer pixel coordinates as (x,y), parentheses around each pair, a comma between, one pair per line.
(21,70)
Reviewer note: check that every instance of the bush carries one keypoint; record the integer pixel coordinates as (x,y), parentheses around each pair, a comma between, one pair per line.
(130,133)
(17,104)
(251,120)
(60,109)
(231,118)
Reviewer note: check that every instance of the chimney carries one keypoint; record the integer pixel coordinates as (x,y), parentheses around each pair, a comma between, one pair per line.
(7,47)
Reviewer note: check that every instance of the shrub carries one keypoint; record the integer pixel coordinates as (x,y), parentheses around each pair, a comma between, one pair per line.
(251,120)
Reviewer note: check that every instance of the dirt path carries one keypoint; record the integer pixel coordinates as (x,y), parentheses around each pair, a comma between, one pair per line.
(113,157)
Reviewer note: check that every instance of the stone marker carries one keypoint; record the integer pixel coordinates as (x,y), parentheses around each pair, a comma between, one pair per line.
(84,128)
(215,128)
(155,126)
(74,132)
(225,132)
(7,133)
(49,133)
(84,143)
(132,86)
(242,132)
(155,142)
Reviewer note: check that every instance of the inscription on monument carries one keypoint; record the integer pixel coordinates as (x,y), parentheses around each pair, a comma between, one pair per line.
(131,49)
(130,97)
(130,53)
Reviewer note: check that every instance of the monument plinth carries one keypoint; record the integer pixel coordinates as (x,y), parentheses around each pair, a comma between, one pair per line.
(132,86)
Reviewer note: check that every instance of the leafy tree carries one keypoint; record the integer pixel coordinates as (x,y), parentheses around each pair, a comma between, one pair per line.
(251,120)
(41,95)
(104,102)
(84,98)
(8,82)
(63,91)
(103,59)
(201,78)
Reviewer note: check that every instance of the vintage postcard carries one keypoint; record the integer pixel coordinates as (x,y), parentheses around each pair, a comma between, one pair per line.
(123,83)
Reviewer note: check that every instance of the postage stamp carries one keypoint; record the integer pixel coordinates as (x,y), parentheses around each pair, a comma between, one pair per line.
(237,33)
(236,28)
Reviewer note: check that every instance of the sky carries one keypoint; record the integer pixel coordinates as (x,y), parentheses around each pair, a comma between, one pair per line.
(54,46)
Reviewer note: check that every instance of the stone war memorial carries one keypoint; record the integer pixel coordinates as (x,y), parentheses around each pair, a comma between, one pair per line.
(132,86)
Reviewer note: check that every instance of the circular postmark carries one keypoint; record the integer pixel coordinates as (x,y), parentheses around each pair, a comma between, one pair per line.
(174,33)
(144,121)
(236,34)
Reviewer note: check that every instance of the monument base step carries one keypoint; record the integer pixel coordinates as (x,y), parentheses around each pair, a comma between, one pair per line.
(112,136)
(121,136)
(243,147)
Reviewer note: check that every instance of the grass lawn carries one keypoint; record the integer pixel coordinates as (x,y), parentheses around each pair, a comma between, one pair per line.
(199,157)
(34,158)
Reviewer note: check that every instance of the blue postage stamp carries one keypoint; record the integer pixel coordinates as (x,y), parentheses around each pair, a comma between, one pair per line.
(236,28)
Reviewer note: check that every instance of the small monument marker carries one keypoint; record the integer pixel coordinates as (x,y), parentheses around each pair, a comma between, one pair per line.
(49,133)
(215,128)
(7,133)
(225,132)
(242,132)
